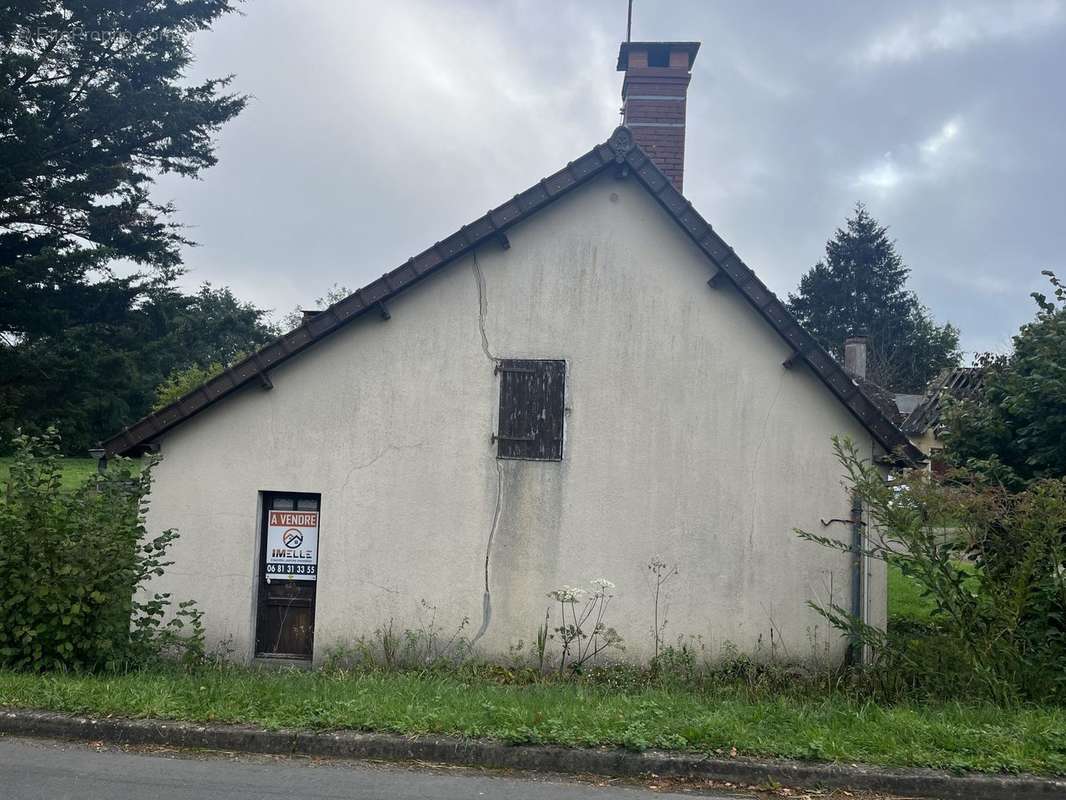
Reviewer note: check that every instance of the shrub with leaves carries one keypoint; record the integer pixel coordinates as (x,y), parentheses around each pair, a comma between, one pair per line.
(995,630)
(1014,430)
(72,564)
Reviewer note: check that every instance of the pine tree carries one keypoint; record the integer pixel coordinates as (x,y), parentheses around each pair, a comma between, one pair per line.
(94,104)
(860,288)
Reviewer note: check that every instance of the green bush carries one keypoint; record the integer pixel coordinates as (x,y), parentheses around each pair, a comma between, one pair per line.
(1012,430)
(71,566)
(991,566)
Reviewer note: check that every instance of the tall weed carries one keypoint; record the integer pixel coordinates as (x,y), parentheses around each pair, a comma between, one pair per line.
(990,562)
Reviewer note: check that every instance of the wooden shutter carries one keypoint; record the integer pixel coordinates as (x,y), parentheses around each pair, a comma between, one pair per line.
(532,400)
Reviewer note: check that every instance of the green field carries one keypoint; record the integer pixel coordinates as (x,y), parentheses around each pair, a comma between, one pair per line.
(75,470)
(828,728)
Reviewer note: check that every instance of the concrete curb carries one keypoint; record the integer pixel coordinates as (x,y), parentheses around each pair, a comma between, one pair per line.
(497,755)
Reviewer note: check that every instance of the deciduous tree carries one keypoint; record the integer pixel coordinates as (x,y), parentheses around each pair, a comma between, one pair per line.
(99,375)
(1014,430)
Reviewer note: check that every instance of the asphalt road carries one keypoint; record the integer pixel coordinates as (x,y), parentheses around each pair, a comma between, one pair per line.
(44,770)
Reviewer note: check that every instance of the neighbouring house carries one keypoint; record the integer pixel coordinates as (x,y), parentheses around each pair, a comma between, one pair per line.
(584,379)
(923,425)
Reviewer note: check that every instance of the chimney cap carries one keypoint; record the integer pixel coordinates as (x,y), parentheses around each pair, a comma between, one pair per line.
(657,50)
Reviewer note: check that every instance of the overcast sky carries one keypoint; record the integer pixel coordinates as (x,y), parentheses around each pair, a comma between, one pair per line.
(376,129)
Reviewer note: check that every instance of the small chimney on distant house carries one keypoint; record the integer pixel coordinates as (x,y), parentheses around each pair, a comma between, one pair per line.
(855,356)
(653,100)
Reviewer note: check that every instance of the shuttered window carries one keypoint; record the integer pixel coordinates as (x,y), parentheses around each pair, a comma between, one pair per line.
(532,401)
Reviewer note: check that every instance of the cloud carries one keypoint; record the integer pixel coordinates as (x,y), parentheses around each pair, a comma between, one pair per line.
(376,129)
(923,162)
(884,176)
(934,148)
(955,30)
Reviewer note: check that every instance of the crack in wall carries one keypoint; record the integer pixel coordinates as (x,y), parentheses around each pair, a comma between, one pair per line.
(382,587)
(483,310)
(495,520)
(392,448)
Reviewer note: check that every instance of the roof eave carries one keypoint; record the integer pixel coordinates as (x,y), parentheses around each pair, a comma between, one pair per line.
(483,230)
(621,150)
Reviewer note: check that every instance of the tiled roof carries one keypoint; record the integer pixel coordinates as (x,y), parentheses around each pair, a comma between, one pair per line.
(618,153)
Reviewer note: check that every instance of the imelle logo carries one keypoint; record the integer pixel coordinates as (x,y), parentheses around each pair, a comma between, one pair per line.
(292,539)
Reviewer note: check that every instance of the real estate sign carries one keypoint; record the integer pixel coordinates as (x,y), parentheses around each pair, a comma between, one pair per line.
(292,545)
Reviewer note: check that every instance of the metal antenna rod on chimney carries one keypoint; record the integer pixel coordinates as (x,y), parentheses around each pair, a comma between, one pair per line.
(629,22)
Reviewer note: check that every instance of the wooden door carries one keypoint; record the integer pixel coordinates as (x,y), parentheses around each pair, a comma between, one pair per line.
(285,623)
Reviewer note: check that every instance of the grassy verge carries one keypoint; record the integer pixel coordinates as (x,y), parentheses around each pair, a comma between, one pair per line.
(834,728)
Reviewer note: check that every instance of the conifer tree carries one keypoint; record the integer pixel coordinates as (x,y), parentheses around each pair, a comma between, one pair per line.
(95,102)
(861,288)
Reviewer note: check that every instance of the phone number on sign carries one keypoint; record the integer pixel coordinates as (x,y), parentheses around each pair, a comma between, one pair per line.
(291,569)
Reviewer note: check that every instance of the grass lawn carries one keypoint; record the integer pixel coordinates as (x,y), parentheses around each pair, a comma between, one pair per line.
(75,470)
(834,728)
(905,600)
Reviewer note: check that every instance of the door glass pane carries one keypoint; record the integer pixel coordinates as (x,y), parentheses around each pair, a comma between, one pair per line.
(307,504)
(282,504)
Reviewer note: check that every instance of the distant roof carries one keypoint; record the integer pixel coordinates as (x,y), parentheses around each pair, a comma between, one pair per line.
(885,400)
(957,383)
(621,154)
(906,403)
(660,49)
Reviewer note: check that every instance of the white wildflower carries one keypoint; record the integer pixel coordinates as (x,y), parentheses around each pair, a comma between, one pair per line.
(602,584)
(568,594)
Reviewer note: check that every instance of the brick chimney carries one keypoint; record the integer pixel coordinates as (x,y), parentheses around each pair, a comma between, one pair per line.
(653,99)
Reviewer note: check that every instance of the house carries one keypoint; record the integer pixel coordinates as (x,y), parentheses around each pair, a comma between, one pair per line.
(583,379)
(923,425)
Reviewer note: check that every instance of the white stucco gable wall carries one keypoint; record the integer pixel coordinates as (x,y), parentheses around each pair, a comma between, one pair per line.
(685,439)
